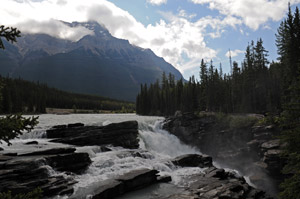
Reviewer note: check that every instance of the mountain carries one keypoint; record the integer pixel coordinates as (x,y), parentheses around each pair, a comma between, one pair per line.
(96,64)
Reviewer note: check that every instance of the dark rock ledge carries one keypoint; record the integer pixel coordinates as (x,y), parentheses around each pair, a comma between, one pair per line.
(23,173)
(130,181)
(124,134)
(214,183)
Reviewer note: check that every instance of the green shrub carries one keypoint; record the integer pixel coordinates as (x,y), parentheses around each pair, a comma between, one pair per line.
(35,194)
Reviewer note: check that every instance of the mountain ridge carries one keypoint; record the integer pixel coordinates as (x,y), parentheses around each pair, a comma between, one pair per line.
(95,64)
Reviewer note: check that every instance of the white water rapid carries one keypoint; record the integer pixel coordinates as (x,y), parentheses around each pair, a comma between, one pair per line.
(157,148)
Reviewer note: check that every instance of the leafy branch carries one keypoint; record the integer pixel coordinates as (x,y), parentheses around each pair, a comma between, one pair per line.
(13,126)
(9,33)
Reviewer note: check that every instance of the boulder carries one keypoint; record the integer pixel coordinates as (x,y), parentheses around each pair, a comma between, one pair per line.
(193,160)
(21,174)
(272,144)
(216,183)
(31,143)
(164,178)
(74,162)
(130,181)
(274,162)
(75,125)
(124,134)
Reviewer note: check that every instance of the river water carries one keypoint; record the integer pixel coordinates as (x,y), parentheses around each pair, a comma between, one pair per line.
(157,148)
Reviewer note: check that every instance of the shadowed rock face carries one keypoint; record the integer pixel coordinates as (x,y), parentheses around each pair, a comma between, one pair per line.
(130,181)
(22,174)
(252,149)
(193,160)
(214,182)
(124,134)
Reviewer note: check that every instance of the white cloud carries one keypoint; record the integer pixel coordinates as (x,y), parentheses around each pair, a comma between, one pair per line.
(234,53)
(157,2)
(182,13)
(178,40)
(253,13)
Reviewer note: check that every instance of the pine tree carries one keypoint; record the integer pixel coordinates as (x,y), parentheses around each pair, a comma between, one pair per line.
(10,34)
(289,50)
(12,126)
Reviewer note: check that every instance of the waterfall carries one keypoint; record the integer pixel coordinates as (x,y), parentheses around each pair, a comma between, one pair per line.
(161,142)
(157,148)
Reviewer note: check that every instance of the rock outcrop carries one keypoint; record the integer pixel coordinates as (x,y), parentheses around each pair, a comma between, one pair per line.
(214,182)
(133,180)
(122,134)
(23,173)
(193,160)
(247,148)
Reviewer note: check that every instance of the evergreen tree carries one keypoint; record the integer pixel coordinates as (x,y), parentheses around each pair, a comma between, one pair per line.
(289,51)
(13,125)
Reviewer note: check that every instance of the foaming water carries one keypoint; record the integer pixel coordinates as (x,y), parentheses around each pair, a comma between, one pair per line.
(157,149)
(162,143)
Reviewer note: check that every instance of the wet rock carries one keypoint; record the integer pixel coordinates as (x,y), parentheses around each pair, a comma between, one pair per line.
(236,148)
(274,162)
(216,183)
(164,178)
(63,126)
(272,144)
(31,143)
(4,158)
(10,154)
(109,190)
(217,173)
(130,181)
(75,125)
(74,162)
(193,160)
(117,134)
(104,149)
(53,151)
(21,174)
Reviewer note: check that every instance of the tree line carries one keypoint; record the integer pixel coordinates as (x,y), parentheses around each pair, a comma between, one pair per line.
(253,87)
(23,96)
(257,87)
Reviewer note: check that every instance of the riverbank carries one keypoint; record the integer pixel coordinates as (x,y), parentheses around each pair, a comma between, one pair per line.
(238,141)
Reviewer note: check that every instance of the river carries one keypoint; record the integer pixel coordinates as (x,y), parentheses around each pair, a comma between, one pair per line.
(156,144)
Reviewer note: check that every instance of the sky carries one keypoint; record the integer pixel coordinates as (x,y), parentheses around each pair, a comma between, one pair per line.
(181,31)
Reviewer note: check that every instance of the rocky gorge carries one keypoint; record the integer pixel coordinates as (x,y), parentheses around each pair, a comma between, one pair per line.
(237,142)
(109,161)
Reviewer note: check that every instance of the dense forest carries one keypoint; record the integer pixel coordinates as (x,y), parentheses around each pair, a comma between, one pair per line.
(257,86)
(23,96)
(254,87)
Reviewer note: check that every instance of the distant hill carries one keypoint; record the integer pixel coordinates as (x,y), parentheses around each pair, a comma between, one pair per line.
(96,64)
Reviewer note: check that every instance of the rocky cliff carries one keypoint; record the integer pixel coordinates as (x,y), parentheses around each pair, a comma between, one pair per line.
(238,142)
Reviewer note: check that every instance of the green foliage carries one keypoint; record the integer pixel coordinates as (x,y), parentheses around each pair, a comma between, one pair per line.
(35,194)
(251,88)
(14,125)
(291,186)
(10,34)
(269,119)
(235,121)
(288,43)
